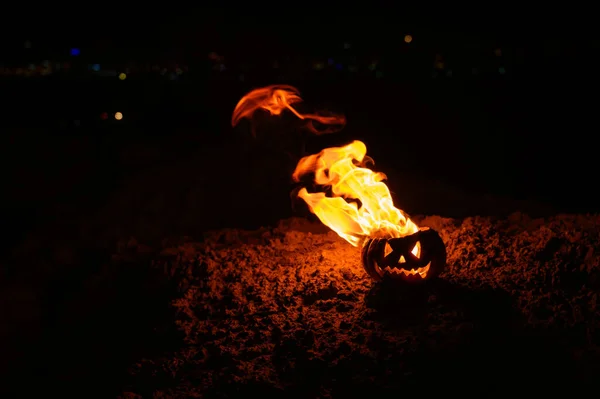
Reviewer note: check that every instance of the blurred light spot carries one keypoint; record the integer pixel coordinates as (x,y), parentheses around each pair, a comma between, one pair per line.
(96,67)
(75,52)
(339,67)
(330,61)
(449,73)
(439,65)
(27,44)
(77,122)
(408,39)
(318,66)
(104,116)
(501,70)
(222,67)
(122,76)
(379,74)
(46,64)
(347,46)
(372,66)
(118,116)
(178,71)
(353,68)
(31,67)
(498,52)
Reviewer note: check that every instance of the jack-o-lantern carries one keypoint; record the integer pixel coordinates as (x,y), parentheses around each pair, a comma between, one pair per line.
(417,257)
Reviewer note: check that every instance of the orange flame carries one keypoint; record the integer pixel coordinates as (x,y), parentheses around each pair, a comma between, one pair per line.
(277,98)
(341,169)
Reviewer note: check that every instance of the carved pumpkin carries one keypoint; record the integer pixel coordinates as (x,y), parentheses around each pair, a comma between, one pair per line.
(413,258)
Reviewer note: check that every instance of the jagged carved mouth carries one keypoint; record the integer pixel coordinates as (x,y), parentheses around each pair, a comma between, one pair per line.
(397,271)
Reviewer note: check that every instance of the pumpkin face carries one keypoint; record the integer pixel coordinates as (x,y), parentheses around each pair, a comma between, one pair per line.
(414,258)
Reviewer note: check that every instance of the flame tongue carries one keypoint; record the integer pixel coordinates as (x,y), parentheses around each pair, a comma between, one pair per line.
(341,169)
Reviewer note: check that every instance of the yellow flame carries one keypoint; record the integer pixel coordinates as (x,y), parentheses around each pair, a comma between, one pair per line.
(340,169)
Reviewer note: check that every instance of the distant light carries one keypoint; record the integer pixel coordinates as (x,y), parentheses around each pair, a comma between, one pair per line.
(339,67)
(407,39)
(77,122)
(104,116)
(96,67)
(449,73)
(46,63)
(75,52)
(122,76)
(501,70)
(330,61)
(353,68)
(118,116)
(32,67)
(498,52)
(347,45)
(372,66)
(318,66)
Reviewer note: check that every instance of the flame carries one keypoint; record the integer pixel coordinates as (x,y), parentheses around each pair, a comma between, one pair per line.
(277,98)
(342,169)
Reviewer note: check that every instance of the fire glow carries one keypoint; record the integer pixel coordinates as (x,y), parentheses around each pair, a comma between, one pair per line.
(360,208)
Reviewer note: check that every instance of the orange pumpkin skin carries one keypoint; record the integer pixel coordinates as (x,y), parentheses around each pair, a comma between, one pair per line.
(397,258)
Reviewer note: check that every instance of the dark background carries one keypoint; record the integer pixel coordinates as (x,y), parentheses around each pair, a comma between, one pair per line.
(484,112)
(501,105)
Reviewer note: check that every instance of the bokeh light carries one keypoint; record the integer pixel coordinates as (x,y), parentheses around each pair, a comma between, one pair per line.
(75,52)
(408,39)
(118,116)
(122,76)
(104,116)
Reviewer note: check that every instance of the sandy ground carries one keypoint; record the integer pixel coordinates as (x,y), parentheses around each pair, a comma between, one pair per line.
(288,311)
(137,298)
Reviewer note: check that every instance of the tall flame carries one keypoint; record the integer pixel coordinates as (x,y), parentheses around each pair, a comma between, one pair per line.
(277,98)
(340,168)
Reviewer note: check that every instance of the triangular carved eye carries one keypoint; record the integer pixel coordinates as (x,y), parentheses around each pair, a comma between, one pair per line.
(387,250)
(416,251)
(402,260)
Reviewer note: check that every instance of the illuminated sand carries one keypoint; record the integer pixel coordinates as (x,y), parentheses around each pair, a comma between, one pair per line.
(289,311)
